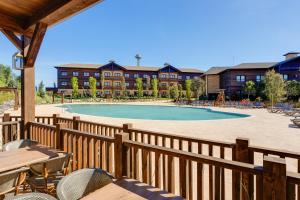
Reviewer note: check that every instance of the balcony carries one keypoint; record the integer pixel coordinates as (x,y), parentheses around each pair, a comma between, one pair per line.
(114,78)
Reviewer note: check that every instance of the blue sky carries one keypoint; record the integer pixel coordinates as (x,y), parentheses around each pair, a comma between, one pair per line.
(185,33)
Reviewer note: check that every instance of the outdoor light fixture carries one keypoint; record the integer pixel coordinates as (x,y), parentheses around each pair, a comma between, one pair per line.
(17,61)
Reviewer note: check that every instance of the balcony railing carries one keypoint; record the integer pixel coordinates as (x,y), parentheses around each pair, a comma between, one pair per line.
(191,167)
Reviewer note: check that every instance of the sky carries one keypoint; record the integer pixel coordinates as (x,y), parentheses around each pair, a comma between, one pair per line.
(184,33)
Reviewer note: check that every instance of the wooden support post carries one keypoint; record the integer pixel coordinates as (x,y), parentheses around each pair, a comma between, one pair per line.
(59,135)
(6,130)
(121,154)
(243,184)
(274,178)
(126,127)
(76,123)
(16,93)
(55,120)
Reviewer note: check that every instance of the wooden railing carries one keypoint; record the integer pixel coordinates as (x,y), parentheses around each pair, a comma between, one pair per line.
(173,168)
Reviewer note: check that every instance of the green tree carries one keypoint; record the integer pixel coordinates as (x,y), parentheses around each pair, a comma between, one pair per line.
(123,86)
(260,89)
(249,88)
(292,89)
(180,91)
(41,90)
(154,84)
(188,84)
(93,86)
(74,83)
(174,93)
(275,87)
(198,87)
(139,87)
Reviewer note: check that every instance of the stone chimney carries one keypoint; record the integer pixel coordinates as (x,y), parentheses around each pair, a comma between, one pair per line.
(290,55)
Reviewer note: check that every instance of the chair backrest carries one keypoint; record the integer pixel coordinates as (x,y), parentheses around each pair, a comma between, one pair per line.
(32,196)
(53,165)
(10,179)
(82,182)
(17,144)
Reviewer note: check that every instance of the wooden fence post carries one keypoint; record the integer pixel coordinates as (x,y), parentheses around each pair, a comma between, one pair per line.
(243,184)
(126,127)
(121,154)
(59,135)
(55,120)
(274,178)
(6,130)
(76,122)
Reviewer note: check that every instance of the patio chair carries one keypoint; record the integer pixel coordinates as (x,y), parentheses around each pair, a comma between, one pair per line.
(32,196)
(11,180)
(296,122)
(17,144)
(45,175)
(82,182)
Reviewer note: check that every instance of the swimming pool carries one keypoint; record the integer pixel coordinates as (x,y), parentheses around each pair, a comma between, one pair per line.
(152,112)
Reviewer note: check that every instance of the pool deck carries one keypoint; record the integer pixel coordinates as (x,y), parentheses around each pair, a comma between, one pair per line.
(262,128)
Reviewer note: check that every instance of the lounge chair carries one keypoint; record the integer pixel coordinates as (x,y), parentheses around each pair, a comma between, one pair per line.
(45,175)
(82,182)
(296,121)
(32,196)
(17,144)
(11,180)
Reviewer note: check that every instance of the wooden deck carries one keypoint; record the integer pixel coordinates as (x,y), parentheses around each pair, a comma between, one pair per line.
(130,189)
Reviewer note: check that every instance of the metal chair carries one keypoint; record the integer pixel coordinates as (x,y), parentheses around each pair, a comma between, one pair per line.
(82,182)
(32,196)
(45,175)
(11,180)
(17,144)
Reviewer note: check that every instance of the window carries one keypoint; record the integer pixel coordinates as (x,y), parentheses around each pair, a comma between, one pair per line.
(187,77)
(285,77)
(127,84)
(179,77)
(106,92)
(240,78)
(86,83)
(136,75)
(106,83)
(259,78)
(154,76)
(126,75)
(117,83)
(98,83)
(97,74)
(145,76)
(64,83)
(75,73)
(173,75)
(106,73)
(163,76)
(64,73)
(164,84)
(86,74)
(118,74)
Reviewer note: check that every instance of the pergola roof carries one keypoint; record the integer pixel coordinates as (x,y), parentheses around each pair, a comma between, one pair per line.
(20,16)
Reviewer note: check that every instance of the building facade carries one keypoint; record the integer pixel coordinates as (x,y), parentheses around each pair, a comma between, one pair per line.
(233,78)
(114,75)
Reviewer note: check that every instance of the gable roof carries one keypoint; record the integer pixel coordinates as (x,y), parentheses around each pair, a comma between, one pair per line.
(82,66)
(131,68)
(215,70)
(260,65)
(286,61)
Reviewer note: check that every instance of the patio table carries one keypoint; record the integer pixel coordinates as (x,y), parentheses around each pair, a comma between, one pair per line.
(14,159)
(129,189)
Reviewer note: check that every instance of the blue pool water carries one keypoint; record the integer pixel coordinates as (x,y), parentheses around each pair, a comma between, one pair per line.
(150,112)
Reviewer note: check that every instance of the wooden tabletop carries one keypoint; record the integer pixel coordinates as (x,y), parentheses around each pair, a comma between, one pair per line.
(24,157)
(130,190)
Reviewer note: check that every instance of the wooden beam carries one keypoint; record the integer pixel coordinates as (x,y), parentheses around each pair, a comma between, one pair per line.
(60,12)
(13,38)
(35,44)
(11,23)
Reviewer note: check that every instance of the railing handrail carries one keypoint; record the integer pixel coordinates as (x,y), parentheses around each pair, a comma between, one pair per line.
(293,177)
(81,133)
(101,124)
(39,124)
(9,123)
(279,152)
(180,137)
(204,159)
